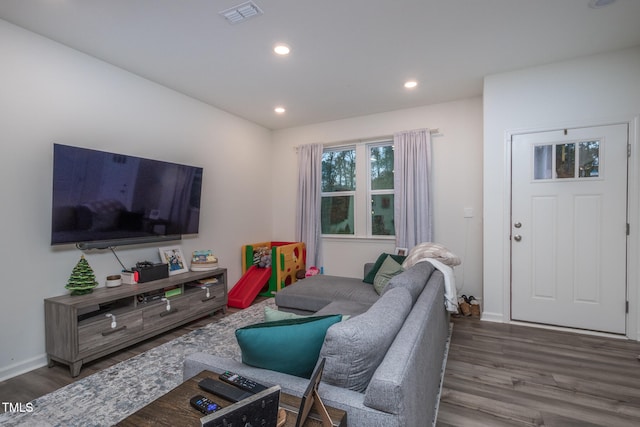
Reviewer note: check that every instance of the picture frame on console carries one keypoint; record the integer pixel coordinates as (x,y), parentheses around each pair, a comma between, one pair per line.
(173,256)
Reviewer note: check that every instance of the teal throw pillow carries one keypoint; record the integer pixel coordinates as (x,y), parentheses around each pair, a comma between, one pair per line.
(290,346)
(387,270)
(371,275)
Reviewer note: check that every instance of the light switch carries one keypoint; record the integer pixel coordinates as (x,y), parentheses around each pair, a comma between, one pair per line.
(468,212)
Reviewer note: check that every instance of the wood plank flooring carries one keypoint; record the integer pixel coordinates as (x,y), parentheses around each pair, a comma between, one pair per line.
(496,375)
(513,375)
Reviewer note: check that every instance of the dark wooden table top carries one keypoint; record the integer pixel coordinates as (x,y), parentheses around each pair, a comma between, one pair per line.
(174,409)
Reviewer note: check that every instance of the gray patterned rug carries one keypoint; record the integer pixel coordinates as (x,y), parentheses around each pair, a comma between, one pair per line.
(112,394)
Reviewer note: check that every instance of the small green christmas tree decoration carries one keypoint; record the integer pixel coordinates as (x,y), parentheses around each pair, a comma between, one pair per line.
(82,279)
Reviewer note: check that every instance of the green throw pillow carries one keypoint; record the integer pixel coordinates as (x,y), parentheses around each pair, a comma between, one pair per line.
(372,274)
(387,270)
(290,346)
(271,315)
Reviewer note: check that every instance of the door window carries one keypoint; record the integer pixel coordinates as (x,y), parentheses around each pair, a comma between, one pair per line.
(577,160)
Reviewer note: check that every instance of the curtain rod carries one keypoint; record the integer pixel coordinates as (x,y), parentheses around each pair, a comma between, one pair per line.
(433,132)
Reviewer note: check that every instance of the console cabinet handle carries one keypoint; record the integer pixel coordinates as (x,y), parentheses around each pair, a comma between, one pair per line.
(113,331)
(166,313)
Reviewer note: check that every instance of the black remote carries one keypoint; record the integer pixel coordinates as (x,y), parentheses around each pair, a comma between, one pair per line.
(224,390)
(241,382)
(203,404)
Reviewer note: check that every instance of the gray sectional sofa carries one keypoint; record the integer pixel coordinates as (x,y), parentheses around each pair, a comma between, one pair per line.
(383,365)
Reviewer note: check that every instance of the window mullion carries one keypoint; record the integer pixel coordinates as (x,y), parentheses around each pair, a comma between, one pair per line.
(362,207)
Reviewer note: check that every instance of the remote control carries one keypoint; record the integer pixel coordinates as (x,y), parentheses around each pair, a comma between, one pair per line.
(203,404)
(241,382)
(224,390)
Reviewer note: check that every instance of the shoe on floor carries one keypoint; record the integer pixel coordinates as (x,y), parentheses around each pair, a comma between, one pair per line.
(474,306)
(465,307)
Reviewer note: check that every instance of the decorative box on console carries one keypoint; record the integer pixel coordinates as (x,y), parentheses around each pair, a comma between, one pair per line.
(148,271)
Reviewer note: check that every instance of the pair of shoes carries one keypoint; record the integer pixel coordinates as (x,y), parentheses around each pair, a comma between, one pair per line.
(474,306)
(463,304)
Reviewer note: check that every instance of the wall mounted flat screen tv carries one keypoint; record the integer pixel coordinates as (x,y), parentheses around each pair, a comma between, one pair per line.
(103,199)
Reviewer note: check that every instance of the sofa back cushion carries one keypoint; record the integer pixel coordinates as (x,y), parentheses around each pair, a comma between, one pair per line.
(413,279)
(354,349)
(410,374)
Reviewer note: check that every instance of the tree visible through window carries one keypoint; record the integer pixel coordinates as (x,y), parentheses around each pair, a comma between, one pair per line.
(357,190)
(381,173)
(338,191)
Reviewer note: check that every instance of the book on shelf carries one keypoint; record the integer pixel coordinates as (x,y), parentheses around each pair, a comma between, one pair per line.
(203,260)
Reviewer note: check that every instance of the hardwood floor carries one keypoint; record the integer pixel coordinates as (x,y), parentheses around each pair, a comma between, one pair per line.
(499,375)
(496,375)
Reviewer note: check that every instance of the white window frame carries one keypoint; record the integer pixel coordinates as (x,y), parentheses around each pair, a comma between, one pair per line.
(362,224)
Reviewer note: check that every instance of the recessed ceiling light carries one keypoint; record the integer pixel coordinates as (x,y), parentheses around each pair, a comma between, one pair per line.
(410,84)
(279,110)
(597,4)
(281,49)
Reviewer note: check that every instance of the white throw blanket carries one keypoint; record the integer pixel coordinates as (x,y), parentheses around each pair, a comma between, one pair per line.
(450,297)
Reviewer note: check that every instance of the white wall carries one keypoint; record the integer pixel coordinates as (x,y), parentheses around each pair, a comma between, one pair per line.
(457,183)
(595,89)
(50,93)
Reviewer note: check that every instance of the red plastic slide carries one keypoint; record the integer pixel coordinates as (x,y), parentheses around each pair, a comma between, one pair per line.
(248,287)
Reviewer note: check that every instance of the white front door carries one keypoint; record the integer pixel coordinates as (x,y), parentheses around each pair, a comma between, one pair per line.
(569,228)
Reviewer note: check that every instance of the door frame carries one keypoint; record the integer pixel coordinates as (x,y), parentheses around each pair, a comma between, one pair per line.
(633,215)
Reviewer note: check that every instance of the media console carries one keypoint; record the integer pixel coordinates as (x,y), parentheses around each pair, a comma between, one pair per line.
(82,328)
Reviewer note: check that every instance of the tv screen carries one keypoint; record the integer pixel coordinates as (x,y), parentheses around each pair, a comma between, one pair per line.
(103,199)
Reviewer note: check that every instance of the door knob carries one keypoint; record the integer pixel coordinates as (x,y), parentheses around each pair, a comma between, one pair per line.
(517,225)
(517,237)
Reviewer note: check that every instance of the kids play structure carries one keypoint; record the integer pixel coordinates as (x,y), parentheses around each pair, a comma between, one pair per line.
(267,267)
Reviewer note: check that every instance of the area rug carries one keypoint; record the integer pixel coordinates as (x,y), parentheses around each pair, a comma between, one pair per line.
(107,397)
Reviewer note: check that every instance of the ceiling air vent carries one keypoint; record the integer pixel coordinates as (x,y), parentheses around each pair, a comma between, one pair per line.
(241,12)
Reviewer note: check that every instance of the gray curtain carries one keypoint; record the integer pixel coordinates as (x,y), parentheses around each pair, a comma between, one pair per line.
(308,227)
(412,170)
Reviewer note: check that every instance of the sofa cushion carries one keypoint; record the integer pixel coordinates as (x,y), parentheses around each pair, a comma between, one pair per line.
(354,349)
(315,292)
(345,307)
(412,279)
(272,315)
(290,346)
(371,275)
(388,269)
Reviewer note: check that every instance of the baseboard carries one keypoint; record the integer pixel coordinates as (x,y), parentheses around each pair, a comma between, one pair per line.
(492,317)
(22,367)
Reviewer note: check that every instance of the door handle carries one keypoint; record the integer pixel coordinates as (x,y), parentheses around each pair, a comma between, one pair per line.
(517,237)
(517,225)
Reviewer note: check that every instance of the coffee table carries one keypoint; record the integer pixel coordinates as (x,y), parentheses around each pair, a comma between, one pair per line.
(173,409)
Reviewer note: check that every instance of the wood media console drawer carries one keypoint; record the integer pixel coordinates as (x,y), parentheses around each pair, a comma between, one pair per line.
(207,299)
(100,333)
(157,315)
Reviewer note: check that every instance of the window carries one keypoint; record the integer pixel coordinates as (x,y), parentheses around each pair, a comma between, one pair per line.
(338,191)
(381,188)
(572,160)
(357,190)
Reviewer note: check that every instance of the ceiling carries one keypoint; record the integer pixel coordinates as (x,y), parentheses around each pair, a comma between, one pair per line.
(348,58)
